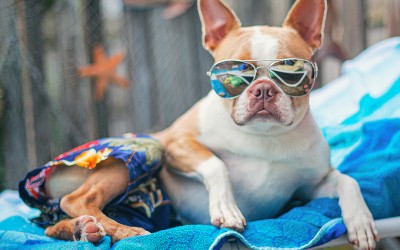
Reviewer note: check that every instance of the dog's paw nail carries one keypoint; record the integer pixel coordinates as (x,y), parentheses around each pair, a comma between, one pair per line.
(221,220)
(216,222)
(233,224)
(239,228)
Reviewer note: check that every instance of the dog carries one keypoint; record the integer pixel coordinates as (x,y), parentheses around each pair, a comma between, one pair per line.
(242,152)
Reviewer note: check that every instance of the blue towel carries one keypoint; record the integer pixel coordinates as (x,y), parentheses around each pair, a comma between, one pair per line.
(18,233)
(366,145)
(375,164)
(316,223)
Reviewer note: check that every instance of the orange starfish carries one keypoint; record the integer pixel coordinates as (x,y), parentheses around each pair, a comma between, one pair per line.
(103,69)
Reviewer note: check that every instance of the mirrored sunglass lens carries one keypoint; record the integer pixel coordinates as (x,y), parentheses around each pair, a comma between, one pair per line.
(294,76)
(230,78)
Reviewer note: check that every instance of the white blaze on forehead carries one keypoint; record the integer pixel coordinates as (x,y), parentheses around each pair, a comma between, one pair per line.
(263,46)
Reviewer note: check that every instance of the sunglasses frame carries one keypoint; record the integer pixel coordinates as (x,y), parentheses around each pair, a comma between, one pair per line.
(313,64)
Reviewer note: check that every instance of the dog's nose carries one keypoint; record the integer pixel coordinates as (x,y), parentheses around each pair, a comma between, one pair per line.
(263,89)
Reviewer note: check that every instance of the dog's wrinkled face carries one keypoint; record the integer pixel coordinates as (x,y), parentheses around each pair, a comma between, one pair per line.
(263,105)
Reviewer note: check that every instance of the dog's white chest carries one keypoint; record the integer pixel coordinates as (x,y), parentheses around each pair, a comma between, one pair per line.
(264,171)
(261,188)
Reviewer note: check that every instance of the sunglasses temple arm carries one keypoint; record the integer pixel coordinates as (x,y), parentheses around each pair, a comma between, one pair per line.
(316,71)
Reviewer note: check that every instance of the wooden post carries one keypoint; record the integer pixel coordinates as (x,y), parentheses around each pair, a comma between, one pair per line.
(352,25)
(14,139)
(175,66)
(73,120)
(393,18)
(167,66)
(26,84)
(251,12)
(139,59)
(33,59)
(94,33)
(260,12)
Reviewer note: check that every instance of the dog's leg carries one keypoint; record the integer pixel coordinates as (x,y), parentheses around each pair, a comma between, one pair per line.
(184,153)
(187,154)
(361,229)
(108,180)
(223,209)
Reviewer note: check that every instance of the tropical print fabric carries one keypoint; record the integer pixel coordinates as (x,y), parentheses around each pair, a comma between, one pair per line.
(143,204)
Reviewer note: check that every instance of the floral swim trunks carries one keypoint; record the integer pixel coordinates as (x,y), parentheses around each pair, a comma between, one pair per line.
(143,204)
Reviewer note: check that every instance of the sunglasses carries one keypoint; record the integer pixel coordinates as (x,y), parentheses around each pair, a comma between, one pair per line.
(294,76)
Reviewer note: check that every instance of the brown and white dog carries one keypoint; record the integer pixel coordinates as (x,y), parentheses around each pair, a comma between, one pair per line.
(236,160)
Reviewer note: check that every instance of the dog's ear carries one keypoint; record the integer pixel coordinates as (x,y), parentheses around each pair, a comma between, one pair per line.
(308,18)
(217,20)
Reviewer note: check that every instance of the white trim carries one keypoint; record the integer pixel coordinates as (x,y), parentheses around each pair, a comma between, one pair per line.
(288,84)
(314,240)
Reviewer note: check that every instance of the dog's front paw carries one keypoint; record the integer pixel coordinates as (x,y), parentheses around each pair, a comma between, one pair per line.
(86,228)
(225,213)
(361,230)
